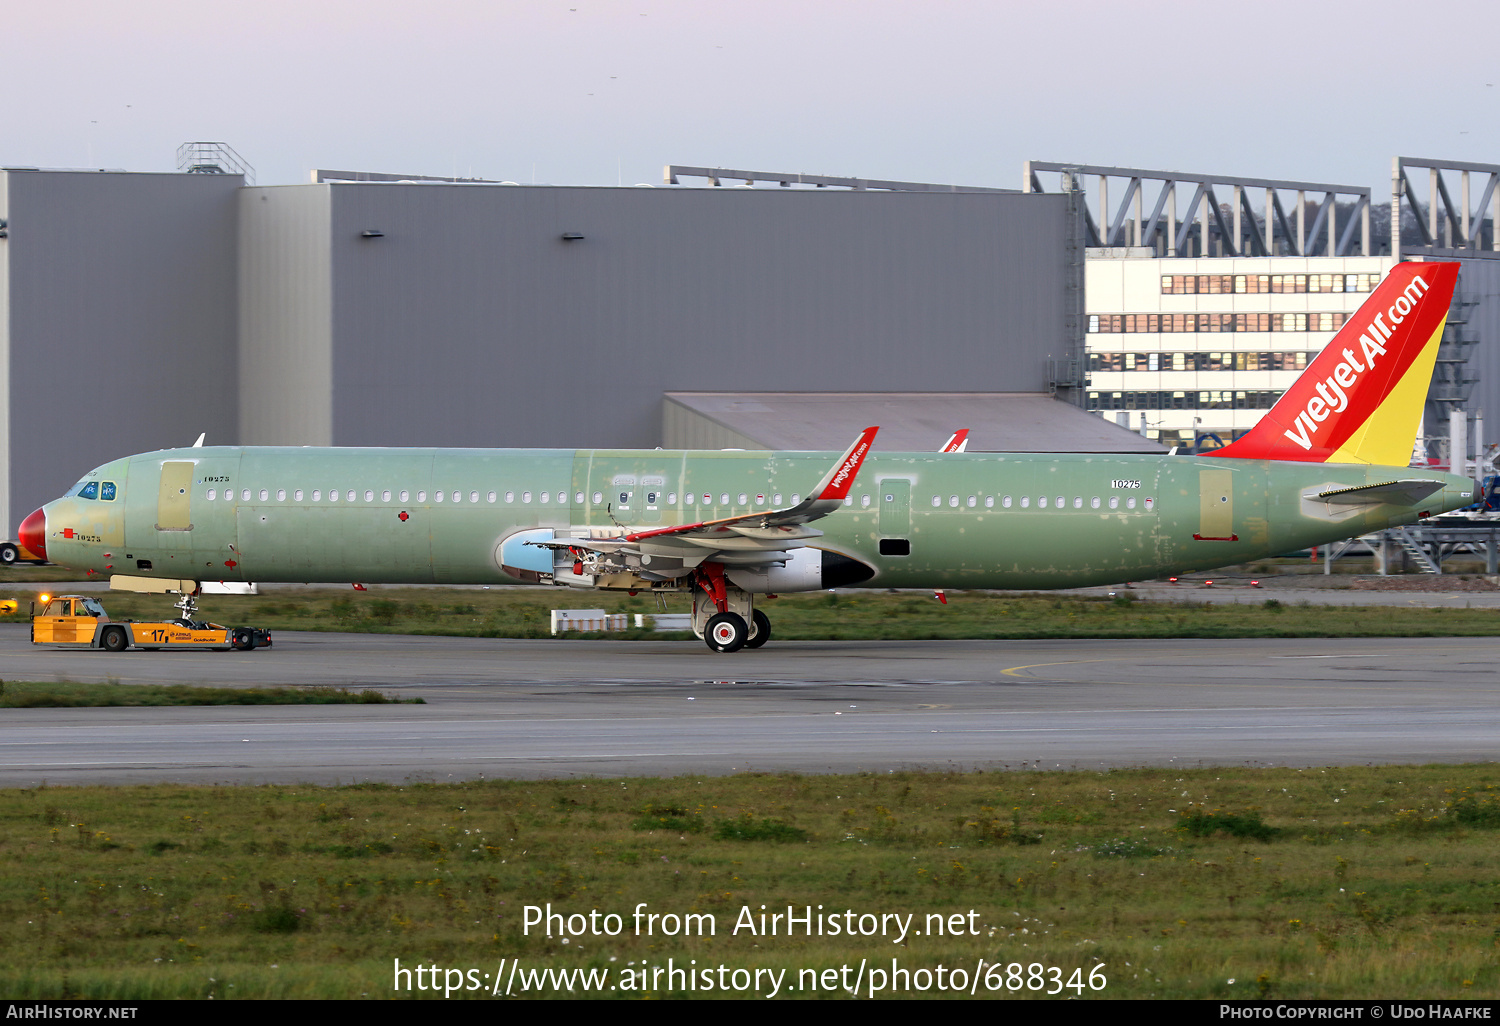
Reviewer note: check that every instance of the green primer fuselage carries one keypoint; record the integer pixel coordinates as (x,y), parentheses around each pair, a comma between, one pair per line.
(1106,518)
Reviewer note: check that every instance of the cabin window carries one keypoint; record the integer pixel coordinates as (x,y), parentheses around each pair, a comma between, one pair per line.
(264,495)
(1150,503)
(895,546)
(989,502)
(297,495)
(1005,502)
(1041,502)
(511,496)
(1094,502)
(723,500)
(578,499)
(317,495)
(281,495)
(776,499)
(864,501)
(421,496)
(1025,501)
(1130,502)
(1114,502)
(245,495)
(458,496)
(973,501)
(438,497)
(525,496)
(744,498)
(229,495)
(474,497)
(212,494)
(689,498)
(848,500)
(352,495)
(543,496)
(760,500)
(1078,502)
(796,498)
(385,496)
(598,498)
(651,499)
(1061,502)
(405,495)
(491,497)
(671,498)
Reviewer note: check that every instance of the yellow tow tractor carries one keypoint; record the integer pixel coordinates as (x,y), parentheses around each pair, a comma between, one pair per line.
(78,621)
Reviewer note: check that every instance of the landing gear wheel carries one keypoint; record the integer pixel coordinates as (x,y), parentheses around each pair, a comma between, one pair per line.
(726,632)
(9,554)
(762,629)
(113,640)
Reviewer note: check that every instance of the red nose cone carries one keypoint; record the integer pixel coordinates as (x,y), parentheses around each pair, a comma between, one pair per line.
(33,534)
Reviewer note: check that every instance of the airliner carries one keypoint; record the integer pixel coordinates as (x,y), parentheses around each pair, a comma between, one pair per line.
(1330,460)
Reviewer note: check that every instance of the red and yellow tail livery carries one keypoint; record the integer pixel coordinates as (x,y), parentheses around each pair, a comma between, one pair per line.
(1360,401)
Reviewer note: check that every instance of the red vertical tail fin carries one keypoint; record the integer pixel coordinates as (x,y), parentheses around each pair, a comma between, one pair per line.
(1360,400)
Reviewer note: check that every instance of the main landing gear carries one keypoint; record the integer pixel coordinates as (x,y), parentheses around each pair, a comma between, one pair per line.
(724,616)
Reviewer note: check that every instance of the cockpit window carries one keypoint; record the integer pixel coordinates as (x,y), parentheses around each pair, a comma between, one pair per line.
(107,491)
(89,491)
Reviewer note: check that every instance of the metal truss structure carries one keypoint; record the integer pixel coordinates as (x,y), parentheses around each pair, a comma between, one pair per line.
(1232,229)
(1446,232)
(718,175)
(213,158)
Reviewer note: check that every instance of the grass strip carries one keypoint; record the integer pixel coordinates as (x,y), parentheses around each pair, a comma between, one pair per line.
(826,616)
(69,694)
(1223,883)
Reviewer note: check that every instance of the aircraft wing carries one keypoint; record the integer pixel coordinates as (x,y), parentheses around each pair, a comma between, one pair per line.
(750,539)
(957,442)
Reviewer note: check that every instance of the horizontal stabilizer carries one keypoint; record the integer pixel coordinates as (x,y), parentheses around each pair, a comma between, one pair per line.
(1394,493)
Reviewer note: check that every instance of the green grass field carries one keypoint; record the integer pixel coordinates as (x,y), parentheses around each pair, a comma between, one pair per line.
(523,613)
(1352,882)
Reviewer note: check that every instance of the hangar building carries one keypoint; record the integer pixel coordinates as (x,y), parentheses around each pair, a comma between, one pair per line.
(140,310)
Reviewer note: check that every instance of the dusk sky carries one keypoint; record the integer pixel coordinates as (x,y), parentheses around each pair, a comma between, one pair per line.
(595,92)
